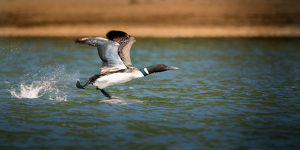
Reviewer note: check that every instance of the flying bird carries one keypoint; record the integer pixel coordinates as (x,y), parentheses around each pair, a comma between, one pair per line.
(116,64)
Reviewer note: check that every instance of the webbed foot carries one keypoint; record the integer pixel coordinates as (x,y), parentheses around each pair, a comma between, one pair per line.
(78,85)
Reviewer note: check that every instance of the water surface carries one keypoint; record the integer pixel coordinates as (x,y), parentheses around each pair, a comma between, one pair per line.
(229,93)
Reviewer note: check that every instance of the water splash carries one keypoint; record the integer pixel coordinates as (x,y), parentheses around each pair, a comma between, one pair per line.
(120,101)
(50,82)
(34,90)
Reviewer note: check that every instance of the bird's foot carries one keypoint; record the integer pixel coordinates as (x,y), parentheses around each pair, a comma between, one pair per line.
(78,85)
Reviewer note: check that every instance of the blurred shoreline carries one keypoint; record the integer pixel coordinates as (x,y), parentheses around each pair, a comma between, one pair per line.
(144,31)
(150,18)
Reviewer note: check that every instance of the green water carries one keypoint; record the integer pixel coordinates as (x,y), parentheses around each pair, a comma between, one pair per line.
(229,93)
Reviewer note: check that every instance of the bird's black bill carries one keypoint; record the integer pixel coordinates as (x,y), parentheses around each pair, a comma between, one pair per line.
(171,68)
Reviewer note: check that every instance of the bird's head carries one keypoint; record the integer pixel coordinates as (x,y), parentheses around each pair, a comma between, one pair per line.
(160,68)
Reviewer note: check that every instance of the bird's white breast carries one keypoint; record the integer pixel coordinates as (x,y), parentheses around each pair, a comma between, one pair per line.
(116,78)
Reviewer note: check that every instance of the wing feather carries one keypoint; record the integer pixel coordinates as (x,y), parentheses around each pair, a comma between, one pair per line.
(124,50)
(107,51)
(125,42)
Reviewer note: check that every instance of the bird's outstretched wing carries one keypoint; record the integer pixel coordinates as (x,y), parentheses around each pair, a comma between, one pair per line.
(125,42)
(108,53)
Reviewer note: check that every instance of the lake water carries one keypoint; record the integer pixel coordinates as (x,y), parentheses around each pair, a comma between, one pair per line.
(229,93)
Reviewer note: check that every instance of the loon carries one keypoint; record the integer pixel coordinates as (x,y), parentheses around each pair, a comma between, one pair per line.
(116,64)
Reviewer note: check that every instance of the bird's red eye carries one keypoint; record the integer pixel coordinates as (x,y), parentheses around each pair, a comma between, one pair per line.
(161,66)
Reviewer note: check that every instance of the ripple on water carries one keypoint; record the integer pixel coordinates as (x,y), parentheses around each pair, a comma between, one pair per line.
(228,93)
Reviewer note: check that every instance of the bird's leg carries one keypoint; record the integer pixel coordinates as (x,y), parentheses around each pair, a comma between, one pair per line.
(91,79)
(106,94)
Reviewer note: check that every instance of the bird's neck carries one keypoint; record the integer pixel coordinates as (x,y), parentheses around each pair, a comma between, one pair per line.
(145,71)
